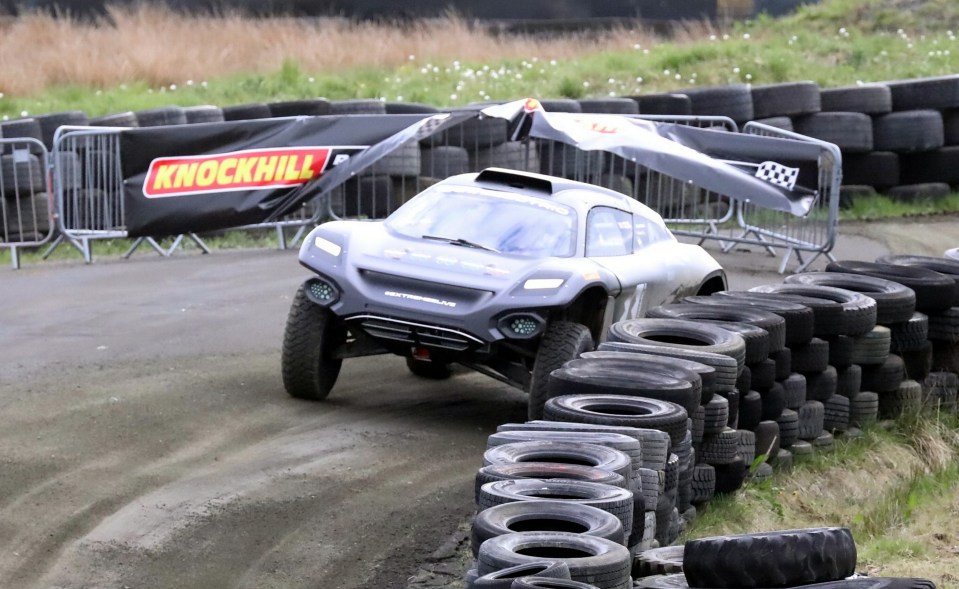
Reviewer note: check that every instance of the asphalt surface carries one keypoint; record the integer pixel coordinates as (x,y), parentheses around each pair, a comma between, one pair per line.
(146,440)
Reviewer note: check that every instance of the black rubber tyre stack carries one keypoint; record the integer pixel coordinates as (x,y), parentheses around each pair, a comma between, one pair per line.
(612,105)
(836,414)
(546,470)
(622,373)
(908,131)
(358,106)
(798,318)
(849,131)
(599,562)
(619,410)
(49,123)
(767,438)
(789,431)
(870,99)
(750,410)
(794,388)
(773,402)
(906,399)
(667,560)
(909,335)
(894,302)
(664,104)
(940,93)
(594,455)
(917,364)
(935,292)
(787,99)
(246,112)
(879,169)
(812,357)
(849,381)
(810,419)
(544,516)
(821,385)
(873,347)
(858,314)
(704,484)
(864,409)
(504,578)
(734,101)
(885,377)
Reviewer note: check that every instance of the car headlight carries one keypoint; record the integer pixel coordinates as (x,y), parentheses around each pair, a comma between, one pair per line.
(540,284)
(327,246)
(543,283)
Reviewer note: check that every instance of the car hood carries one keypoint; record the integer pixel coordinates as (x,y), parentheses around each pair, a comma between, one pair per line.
(370,246)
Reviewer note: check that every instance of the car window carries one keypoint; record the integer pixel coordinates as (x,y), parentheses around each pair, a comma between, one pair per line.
(647,232)
(609,232)
(507,223)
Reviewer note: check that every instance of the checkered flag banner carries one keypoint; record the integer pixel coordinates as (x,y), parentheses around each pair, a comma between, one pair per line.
(428,126)
(778,174)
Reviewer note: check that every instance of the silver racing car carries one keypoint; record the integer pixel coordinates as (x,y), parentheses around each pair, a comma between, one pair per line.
(508,273)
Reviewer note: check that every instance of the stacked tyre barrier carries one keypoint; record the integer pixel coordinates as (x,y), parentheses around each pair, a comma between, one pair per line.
(693,401)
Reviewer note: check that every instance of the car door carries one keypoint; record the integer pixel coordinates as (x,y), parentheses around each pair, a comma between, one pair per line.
(635,251)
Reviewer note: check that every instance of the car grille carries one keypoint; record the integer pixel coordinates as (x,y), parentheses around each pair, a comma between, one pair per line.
(416,334)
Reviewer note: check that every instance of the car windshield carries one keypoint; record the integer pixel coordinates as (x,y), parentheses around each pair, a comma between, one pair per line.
(503,222)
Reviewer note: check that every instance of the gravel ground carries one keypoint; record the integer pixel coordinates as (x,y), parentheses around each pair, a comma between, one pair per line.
(147,440)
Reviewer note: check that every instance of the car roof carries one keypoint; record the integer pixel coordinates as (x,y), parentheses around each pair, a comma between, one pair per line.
(577,195)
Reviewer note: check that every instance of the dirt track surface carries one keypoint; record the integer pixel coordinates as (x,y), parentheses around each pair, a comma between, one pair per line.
(146,440)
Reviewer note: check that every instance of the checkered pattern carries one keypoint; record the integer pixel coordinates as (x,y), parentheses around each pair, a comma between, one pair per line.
(778,174)
(429,125)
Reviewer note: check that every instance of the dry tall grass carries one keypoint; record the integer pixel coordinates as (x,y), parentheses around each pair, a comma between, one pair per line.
(160,47)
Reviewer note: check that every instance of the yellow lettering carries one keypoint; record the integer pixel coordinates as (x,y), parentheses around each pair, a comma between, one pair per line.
(280,169)
(265,168)
(291,172)
(244,171)
(185,175)
(207,173)
(225,176)
(164,177)
(306,172)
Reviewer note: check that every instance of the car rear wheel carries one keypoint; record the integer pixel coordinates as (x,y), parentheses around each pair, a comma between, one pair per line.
(429,369)
(312,334)
(562,341)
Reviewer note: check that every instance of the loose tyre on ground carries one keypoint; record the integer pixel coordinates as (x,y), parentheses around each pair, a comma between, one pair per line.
(770,559)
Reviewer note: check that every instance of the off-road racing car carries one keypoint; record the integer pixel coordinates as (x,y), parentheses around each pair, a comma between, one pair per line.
(508,273)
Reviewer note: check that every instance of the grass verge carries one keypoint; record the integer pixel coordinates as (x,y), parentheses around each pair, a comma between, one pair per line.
(894,488)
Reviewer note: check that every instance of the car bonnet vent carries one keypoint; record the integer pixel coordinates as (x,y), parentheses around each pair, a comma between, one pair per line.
(517,180)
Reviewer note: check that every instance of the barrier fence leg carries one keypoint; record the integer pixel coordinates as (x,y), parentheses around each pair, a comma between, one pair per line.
(149,241)
(298,235)
(280,238)
(199,243)
(15,257)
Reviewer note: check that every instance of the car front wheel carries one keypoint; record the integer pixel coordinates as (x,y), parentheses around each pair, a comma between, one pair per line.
(562,342)
(312,335)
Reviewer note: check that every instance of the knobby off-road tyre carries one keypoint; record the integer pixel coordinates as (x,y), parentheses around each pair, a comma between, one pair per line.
(312,334)
(429,369)
(770,559)
(562,341)
(544,516)
(667,560)
(593,560)
(503,578)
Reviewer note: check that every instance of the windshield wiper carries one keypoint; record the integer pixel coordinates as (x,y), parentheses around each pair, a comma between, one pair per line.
(460,241)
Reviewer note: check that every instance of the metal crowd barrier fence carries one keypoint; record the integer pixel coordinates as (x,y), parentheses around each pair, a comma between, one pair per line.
(813,234)
(88,185)
(88,188)
(26,213)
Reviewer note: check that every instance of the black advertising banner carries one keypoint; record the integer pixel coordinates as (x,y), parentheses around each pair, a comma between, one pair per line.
(191,178)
